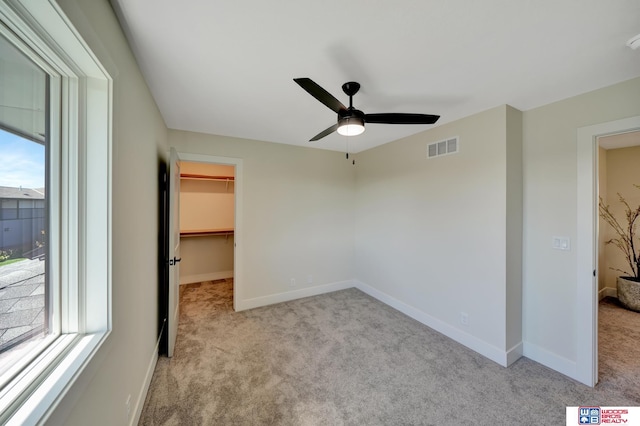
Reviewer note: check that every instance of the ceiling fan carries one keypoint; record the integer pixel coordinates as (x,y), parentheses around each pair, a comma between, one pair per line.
(350,120)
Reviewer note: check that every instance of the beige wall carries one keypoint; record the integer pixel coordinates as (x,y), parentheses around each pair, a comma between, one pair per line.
(513,225)
(622,171)
(550,208)
(206,204)
(297,216)
(433,233)
(205,169)
(206,258)
(139,143)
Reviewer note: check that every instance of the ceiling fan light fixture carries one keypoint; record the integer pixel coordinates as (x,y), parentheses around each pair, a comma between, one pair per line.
(351,126)
(351,120)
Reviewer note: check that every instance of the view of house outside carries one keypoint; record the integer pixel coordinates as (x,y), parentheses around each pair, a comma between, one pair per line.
(22,264)
(22,241)
(24,294)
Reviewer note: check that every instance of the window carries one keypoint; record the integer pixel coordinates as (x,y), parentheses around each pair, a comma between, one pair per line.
(23,302)
(26,307)
(55,118)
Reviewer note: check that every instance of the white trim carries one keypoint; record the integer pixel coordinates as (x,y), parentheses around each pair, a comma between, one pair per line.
(238,259)
(515,353)
(16,391)
(142,395)
(501,357)
(587,248)
(549,359)
(607,292)
(67,39)
(43,400)
(85,206)
(211,276)
(272,299)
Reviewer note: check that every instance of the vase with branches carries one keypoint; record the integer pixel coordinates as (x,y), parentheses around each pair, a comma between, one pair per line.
(625,234)
(626,240)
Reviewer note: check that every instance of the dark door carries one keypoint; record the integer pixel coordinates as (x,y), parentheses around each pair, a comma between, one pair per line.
(163,257)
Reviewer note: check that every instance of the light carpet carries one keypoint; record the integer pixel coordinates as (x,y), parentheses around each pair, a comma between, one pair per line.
(344,358)
(619,349)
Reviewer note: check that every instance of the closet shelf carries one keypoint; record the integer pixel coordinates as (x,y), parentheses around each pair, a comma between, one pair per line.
(206,232)
(206,177)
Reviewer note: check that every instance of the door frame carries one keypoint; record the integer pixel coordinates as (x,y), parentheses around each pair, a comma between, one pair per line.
(238,209)
(173,297)
(587,243)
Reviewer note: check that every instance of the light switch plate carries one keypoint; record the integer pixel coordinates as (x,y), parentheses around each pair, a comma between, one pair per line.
(561,243)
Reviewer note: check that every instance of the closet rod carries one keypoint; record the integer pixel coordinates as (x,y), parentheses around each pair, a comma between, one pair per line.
(207,177)
(206,232)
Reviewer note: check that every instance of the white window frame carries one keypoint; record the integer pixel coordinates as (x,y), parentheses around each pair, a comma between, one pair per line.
(81,180)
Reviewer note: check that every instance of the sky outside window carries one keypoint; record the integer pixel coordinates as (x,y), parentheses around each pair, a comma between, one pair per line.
(21,162)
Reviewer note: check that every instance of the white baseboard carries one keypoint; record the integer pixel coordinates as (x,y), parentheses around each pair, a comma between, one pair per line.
(257,302)
(142,395)
(555,362)
(608,292)
(515,353)
(483,348)
(211,276)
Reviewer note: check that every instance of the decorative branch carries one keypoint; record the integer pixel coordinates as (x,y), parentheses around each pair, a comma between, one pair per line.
(625,235)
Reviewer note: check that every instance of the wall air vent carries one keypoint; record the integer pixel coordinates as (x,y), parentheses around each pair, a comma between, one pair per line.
(444,147)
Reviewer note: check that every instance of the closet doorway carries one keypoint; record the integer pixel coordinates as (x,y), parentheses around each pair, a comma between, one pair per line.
(586,366)
(210,229)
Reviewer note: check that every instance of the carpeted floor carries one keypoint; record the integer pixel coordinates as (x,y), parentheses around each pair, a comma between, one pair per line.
(619,349)
(346,359)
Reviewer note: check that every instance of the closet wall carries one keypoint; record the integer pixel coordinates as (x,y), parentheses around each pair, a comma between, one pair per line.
(206,222)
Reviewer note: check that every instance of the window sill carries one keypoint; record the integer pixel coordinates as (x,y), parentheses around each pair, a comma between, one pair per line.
(48,378)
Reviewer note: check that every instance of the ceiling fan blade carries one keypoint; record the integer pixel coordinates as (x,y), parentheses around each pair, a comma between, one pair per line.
(324,133)
(401,118)
(320,94)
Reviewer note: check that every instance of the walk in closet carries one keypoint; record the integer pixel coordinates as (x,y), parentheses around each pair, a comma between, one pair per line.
(207,215)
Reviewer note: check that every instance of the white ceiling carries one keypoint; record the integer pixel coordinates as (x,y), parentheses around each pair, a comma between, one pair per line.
(227,67)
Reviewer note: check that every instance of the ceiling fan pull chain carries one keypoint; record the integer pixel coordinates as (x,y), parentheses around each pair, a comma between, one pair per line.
(347,138)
